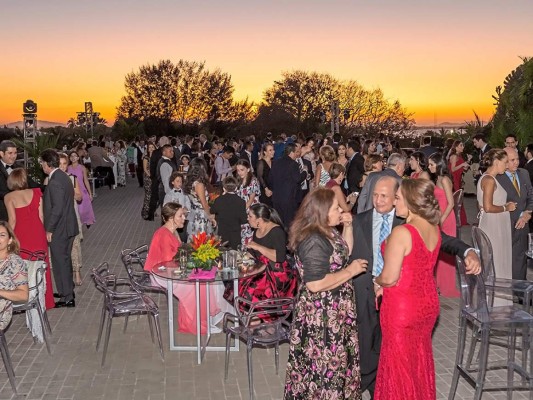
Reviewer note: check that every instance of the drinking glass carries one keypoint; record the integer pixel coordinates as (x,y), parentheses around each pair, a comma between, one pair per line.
(183,259)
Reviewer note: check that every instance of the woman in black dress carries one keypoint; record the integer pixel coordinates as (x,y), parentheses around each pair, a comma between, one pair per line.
(263,171)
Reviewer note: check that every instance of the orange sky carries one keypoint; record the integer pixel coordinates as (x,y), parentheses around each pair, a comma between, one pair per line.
(442,61)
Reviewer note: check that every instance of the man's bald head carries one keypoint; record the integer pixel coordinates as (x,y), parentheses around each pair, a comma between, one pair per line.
(512,158)
(384,194)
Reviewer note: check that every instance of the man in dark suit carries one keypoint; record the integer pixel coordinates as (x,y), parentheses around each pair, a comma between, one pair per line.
(60,224)
(8,153)
(367,229)
(395,168)
(480,143)
(427,149)
(528,152)
(306,166)
(355,168)
(517,184)
(285,180)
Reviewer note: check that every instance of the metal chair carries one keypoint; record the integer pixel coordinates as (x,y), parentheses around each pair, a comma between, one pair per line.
(133,260)
(476,311)
(457,205)
(36,271)
(117,304)
(7,361)
(274,328)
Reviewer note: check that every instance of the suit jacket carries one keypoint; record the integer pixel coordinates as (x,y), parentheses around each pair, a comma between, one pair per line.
(285,180)
(96,153)
(529,168)
(310,176)
(230,214)
(364,202)
(482,167)
(58,206)
(428,150)
(354,172)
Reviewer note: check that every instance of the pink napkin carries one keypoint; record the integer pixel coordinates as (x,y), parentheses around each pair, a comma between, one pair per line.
(201,274)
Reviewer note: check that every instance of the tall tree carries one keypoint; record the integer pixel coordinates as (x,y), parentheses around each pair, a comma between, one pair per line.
(514,105)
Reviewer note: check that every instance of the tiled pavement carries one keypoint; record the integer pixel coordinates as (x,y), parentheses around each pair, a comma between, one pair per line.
(133,368)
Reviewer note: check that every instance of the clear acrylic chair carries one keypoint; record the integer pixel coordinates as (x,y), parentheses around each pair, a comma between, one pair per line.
(123,304)
(457,205)
(7,361)
(133,260)
(38,269)
(273,327)
(476,312)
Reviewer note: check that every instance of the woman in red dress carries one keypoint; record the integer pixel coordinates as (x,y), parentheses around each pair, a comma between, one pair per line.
(25,213)
(410,303)
(457,166)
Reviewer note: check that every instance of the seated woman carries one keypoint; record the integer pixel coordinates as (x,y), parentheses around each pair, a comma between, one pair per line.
(13,274)
(337,173)
(269,246)
(163,247)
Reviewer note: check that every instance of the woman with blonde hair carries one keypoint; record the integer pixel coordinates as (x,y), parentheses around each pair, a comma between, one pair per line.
(328,157)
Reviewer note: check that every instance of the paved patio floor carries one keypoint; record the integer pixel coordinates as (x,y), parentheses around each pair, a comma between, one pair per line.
(133,368)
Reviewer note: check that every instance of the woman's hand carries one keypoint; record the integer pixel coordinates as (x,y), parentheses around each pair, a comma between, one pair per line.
(346,218)
(253,245)
(268,192)
(510,206)
(356,267)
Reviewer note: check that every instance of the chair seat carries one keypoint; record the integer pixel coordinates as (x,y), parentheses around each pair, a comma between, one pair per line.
(261,334)
(136,304)
(503,315)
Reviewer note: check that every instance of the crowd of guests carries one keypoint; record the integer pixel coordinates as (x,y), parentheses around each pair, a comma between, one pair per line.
(362,234)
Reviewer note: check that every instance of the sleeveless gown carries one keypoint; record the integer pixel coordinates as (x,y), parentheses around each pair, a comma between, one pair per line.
(30,232)
(408,314)
(457,179)
(497,226)
(445,270)
(85,208)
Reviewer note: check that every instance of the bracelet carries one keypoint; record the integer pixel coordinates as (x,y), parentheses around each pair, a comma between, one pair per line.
(504,208)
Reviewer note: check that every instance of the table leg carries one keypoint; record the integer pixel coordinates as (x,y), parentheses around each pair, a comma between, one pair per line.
(170,301)
(198,322)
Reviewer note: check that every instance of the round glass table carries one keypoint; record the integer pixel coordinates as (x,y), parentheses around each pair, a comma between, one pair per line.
(171,272)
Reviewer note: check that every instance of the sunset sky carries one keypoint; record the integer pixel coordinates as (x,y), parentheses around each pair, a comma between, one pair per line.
(441,59)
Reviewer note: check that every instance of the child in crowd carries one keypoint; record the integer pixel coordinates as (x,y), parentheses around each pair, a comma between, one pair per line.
(177,195)
(230,213)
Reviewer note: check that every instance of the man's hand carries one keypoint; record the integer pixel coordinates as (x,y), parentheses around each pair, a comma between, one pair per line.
(472,263)
(523,220)
(48,237)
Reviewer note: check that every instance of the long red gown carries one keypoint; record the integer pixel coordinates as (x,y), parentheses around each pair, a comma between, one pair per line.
(445,270)
(408,314)
(30,232)
(457,179)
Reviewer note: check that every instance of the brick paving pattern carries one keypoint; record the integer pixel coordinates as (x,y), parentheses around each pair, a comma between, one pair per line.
(133,367)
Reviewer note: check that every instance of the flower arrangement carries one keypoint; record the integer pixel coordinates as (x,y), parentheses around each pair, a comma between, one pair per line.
(205,250)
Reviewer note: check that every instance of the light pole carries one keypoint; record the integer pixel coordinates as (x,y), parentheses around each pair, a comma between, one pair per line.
(29,108)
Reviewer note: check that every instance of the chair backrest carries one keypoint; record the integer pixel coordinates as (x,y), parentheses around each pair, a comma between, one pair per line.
(276,310)
(457,204)
(484,247)
(134,265)
(473,293)
(104,280)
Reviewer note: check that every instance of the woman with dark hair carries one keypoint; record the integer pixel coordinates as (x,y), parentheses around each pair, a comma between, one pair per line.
(25,212)
(457,167)
(445,270)
(85,206)
(369,147)
(341,154)
(147,180)
(418,164)
(494,217)
(269,246)
(200,220)
(337,174)
(410,305)
(324,348)
(13,274)
(264,164)
(373,163)
(249,191)
(122,159)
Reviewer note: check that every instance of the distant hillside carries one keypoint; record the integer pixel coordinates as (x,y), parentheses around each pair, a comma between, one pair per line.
(40,124)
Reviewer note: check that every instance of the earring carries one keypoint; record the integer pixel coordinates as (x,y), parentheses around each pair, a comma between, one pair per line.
(257,225)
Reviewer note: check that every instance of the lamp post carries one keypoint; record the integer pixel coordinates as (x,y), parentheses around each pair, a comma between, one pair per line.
(29,109)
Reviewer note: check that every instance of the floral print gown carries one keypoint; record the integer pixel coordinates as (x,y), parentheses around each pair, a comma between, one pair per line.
(324,349)
(245,192)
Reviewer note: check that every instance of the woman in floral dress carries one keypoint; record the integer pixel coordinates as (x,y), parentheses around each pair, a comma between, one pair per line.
(122,159)
(324,348)
(200,220)
(249,191)
(147,180)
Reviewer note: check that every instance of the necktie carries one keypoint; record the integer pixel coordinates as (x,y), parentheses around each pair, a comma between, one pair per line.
(515,183)
(383,234)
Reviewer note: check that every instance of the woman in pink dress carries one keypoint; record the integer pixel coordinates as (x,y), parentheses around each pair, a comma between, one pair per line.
(445,270)
(457,166)
(418,164)
(85,207)
(25,214)
(163,247)
(410,303)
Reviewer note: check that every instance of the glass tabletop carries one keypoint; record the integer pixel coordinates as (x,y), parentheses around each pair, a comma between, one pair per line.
(171,270)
